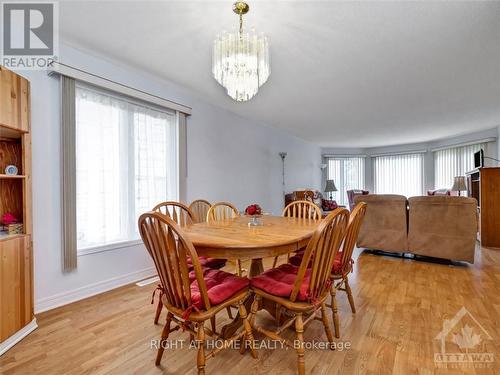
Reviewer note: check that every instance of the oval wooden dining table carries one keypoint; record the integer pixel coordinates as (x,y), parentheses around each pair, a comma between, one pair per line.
(235,239)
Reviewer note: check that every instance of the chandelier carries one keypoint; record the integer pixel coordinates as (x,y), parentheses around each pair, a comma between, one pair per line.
(240,61)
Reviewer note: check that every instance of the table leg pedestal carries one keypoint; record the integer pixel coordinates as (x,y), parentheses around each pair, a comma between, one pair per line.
(229,329)
(256,268)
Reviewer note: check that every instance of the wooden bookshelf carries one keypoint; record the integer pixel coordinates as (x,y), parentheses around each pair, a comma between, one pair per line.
(484,185)
(16,253)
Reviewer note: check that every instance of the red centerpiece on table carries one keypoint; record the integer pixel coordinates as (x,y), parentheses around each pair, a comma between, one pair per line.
(253,210)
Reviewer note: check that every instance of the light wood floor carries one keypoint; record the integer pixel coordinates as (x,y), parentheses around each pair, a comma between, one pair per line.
(401,307)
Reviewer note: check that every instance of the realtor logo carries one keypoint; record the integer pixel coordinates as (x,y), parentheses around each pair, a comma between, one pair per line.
(463,343)
(29,34)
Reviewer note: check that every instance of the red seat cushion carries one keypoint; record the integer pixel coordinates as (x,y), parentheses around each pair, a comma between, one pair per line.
(337,262)
(220,286)
(207,262)
(280,281)
(214,263)
(297,258)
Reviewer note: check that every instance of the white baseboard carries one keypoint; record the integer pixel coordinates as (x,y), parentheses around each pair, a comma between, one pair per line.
(65,298)
(18,336)
(145,282)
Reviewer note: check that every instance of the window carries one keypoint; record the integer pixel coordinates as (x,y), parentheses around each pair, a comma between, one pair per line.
(453,162)
(126,162)
(399,174)
(347,173)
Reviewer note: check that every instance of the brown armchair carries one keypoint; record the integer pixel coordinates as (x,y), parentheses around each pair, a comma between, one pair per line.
(351,194)
(385,224)
(443,227)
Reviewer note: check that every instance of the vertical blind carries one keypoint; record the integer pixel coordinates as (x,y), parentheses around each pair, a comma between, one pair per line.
(126,162)
(453,162)
(347,173)
(399,174)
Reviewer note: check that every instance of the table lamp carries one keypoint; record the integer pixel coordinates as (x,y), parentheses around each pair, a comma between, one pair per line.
(459,184)
(330,188)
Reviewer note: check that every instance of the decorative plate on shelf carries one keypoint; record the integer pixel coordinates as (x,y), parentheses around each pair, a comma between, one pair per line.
(11,170)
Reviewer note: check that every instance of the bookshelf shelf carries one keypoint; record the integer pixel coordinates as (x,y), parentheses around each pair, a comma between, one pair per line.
(11,177)
(6,237)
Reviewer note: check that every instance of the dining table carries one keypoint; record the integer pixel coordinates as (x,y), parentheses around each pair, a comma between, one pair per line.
(237,238)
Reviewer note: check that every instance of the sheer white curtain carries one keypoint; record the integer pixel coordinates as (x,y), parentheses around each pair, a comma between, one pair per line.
(399,174)
(453,162)
(347,173)
(155,144)
(126,162)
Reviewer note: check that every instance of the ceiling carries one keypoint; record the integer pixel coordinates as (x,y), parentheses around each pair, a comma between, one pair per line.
(345,74)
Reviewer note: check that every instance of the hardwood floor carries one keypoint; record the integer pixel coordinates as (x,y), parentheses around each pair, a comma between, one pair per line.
(401,307)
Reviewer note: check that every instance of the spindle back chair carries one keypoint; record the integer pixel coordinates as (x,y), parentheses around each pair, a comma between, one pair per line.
(314,281)
(339,276)
(177,211)
(221,211)
(170,251)
(300,209)
(199,208)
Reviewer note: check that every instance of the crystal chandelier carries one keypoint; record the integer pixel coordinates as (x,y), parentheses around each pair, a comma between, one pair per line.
(240,60)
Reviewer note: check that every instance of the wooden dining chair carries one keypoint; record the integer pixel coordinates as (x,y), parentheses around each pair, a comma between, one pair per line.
(222,211)
(182,216)
(199,208)
(302,291)
(343,263)
(177,211)
(191,298)
(300,209)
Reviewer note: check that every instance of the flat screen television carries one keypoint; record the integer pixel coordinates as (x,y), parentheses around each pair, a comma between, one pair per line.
(479,159)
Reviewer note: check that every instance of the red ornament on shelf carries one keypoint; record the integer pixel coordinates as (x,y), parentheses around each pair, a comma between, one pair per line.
(8,218)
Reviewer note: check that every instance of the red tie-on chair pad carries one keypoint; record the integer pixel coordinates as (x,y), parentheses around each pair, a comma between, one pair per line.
(280,281)
(220,286)
(337,262)
(297,258)
(208,262)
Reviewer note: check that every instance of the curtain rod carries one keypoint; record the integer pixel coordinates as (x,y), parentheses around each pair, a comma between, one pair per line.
(343,156)
(484,140)
(82,75)
(395,153)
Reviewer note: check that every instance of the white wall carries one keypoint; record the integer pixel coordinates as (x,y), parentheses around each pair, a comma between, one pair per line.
(492,150)
(229,158)
(498,143)
(233,160)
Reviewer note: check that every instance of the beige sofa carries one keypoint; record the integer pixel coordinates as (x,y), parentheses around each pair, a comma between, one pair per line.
(385,224)
(443,227)
(436,226)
